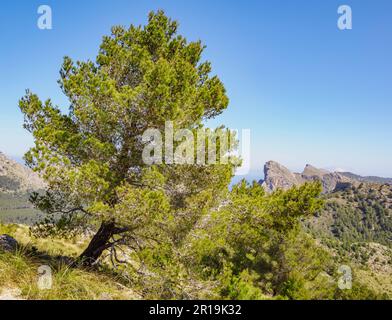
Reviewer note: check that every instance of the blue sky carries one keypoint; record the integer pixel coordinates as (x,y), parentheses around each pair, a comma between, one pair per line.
(309,92)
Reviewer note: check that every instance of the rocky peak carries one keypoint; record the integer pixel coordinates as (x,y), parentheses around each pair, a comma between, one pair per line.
(311,171)
(276,176)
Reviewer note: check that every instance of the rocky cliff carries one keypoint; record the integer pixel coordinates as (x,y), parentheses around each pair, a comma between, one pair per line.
(277,176)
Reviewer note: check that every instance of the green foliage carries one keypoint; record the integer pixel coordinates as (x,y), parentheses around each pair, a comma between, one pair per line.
(240,287)
(360,291)
(254,245)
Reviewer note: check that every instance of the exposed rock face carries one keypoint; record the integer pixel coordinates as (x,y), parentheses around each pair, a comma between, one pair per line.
(7,243)
(277,176)
(334,180)
(16,178)
(311,171)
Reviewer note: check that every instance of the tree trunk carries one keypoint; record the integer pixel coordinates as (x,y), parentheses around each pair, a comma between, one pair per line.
(98,244)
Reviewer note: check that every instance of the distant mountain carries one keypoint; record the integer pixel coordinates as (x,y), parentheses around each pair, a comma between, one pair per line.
(16,178)
(16,183)
(371,179)
(276,176)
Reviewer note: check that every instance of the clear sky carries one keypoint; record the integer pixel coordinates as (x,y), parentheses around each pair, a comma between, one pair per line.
(309,92)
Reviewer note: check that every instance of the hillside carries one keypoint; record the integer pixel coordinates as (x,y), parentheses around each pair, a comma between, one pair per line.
(15,178)
(355,210)
(358,214)
(16,182)
(355,224)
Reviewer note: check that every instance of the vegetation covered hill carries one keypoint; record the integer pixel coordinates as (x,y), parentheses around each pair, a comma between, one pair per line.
(358,214)
(356,226)
(355,223)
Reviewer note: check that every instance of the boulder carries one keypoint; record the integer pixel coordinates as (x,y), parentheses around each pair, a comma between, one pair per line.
(7,243)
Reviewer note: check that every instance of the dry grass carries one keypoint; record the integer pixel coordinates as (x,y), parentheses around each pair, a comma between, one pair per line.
(19,271)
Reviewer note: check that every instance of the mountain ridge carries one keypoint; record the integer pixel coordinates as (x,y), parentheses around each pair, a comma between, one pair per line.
(277,176)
